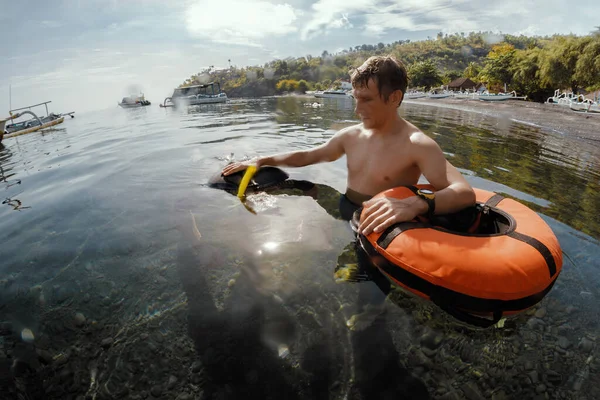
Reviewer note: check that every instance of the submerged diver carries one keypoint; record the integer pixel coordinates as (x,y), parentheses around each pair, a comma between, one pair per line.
(383,152)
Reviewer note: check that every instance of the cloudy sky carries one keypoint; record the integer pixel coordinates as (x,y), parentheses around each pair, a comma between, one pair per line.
(87,54)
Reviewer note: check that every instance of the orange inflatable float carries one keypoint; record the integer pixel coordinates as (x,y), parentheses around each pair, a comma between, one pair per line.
(506,263)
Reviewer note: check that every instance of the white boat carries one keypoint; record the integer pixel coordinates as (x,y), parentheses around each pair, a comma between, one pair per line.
(500,96)
(565,98)
(195,95)
(414,95)
(33,124)
(134,101)
(333,94)
(2,123)
(586,105)
(439,95)
(466,95)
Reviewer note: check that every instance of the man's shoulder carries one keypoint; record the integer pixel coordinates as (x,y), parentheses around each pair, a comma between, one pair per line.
(419,138)
(422,143)
(351,130)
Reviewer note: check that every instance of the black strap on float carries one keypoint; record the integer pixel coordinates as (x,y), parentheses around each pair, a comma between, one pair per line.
(393,231)
(533,242)
(539,246)
(467,317)
(494,200)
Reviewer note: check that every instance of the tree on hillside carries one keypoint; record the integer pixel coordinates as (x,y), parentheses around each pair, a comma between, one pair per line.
(558,66)
(425,74)
(472,71)
(526,75)
(496,69)
(450,76)
(587,67)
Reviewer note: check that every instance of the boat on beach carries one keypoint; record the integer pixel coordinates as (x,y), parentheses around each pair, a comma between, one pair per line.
(564,98)
(434,94)
(500,96)
(587,106)
(412,94)
(33,124)
(195,95)
(134,101)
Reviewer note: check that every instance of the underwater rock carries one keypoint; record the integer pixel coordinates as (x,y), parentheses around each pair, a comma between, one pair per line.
(500,395)
(79,319)
(156,391)
(431,340)
(586,345)
(471,391)
(172,382)
(196,366)
(106,343)
(541,313)
(563,342)
(541,388)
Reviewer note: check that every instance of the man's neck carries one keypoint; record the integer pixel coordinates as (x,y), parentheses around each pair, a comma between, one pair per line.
(390,127)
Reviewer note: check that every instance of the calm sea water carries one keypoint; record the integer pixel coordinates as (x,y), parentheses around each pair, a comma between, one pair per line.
(122,275)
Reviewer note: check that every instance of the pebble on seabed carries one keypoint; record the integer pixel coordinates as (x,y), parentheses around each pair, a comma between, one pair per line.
(27,335)
(79,319)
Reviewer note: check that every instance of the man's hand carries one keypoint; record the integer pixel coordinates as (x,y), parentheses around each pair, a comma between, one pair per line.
(239,166)
(379,214)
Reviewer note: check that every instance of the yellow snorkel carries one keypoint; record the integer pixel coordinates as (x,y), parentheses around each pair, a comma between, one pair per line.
(250,171)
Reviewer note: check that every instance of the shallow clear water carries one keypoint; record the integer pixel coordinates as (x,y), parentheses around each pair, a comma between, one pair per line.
(108,290)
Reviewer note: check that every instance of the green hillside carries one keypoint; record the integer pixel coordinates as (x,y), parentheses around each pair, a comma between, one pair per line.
(532,66)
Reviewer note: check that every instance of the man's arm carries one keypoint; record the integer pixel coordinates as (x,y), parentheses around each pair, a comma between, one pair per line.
(453,192)
(332,150)
(326,152)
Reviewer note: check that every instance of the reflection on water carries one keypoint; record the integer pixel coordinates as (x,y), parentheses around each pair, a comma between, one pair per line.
(123,276)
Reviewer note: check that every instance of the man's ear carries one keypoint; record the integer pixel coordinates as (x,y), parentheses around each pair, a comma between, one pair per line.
(396,96)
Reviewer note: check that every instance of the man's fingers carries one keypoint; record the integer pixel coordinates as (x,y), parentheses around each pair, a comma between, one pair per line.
(370,214)
(386,224)
(371,225)
(232,168)
(377,218)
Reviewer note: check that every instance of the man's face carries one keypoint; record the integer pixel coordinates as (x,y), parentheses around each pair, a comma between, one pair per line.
(370,107)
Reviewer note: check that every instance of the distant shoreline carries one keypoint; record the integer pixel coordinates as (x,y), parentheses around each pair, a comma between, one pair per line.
(549,117)
(552,117)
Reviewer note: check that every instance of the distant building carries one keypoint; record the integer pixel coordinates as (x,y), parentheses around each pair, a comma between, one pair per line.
(480,88)
(462,84)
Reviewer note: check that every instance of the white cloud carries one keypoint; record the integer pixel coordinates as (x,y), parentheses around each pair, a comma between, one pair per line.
(326,12)
(450,16)
(343,22)
(243,22)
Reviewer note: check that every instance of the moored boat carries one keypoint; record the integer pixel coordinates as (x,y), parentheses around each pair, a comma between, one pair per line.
(333,94)
(434,94)
(134,101)
(501,96)
(33,124)
(587,106)
(195,95)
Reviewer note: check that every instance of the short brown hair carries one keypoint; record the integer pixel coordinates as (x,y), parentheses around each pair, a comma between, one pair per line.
(389,73)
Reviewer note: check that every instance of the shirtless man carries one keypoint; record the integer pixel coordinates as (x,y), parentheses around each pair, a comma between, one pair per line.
(383,152)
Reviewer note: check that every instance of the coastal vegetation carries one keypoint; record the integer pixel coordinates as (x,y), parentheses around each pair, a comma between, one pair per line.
(532,66)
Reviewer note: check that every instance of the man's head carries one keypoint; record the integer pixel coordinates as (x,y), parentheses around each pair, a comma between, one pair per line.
(378,87)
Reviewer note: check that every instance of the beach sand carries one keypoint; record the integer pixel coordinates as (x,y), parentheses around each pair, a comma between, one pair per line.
(553,117)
